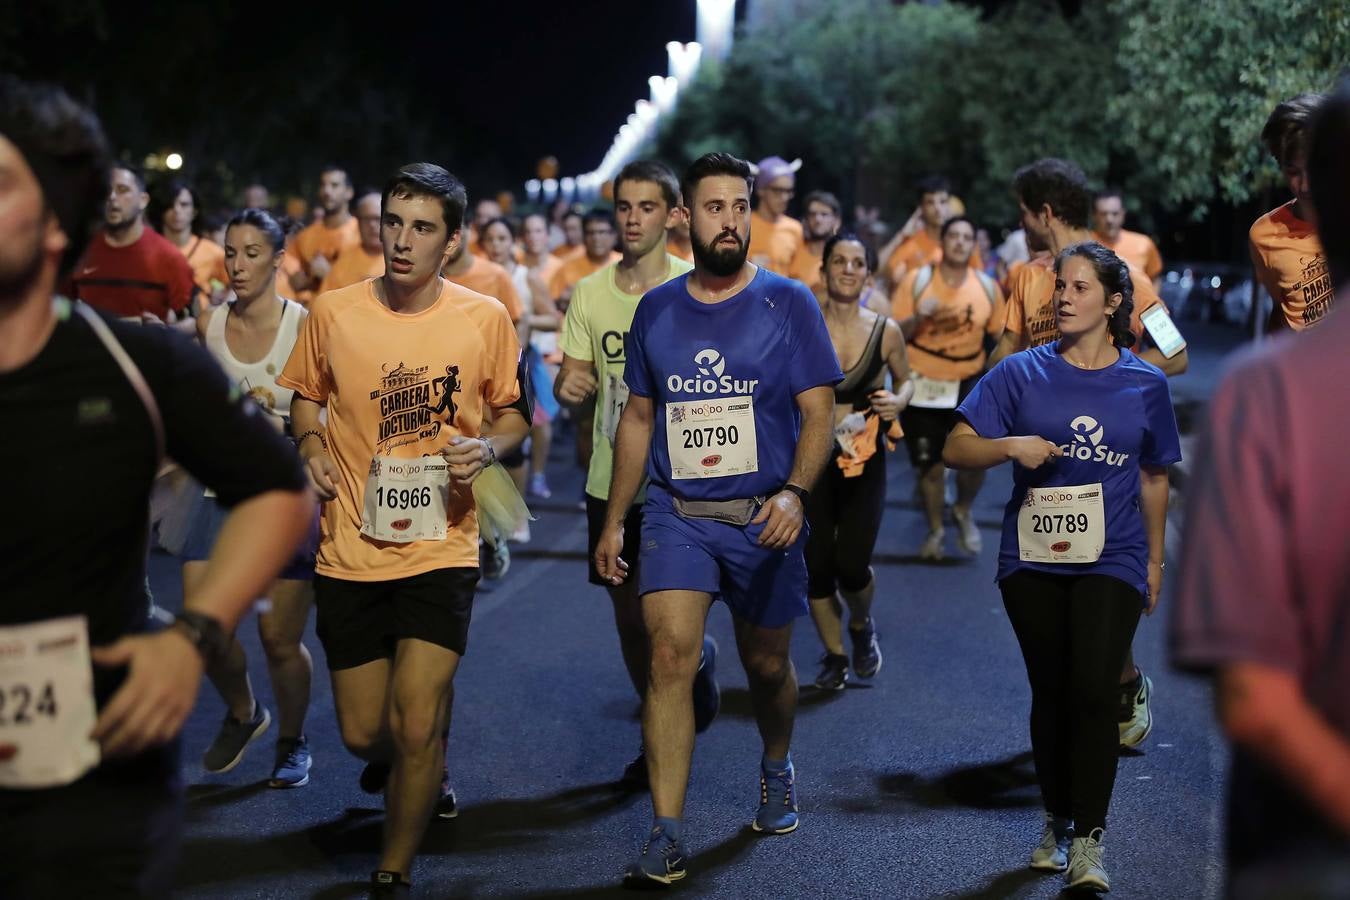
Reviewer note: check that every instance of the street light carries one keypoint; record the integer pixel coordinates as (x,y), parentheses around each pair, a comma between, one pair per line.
(716,20)
(174,161)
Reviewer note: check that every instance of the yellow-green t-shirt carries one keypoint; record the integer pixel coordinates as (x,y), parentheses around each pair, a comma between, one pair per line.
(594,329)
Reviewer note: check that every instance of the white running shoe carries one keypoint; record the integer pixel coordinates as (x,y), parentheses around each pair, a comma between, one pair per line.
(1087,869)
(1136,718)
(522,534)
(932,546)
(1052,855)
(967,532)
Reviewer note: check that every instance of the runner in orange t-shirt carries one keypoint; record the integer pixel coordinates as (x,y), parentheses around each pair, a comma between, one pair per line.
(573,236)
(484,277)
(182,213)
(946,312)
(418,377)
(484,211)
(1290,262)
(919,242)
(822,218)
(319,245)
(366,259)
(599,239)
(774,235)
(1108,217)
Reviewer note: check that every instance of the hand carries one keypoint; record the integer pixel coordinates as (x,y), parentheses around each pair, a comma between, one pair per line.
(1032,452)
(784,514)
(322,472)
(164,672)
(149,318)
(1155,580)
(885,404)
(913,223)
(319,267)
(607,561)
(576,386)
(468,457)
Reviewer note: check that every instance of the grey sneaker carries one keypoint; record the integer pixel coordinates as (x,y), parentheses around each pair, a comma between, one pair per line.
(833,672)
(967,533)
(1136,718)
(1087,869)
(1052,855)
(931,549)
(233,739)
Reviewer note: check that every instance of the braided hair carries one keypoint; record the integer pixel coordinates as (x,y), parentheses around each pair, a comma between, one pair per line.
(1114,275)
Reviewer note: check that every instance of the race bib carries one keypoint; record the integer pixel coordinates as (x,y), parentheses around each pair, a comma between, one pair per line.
(406,499)
(712,438)
(1062,524)
(616,397)
(46,703)
(932,393)
(846,432)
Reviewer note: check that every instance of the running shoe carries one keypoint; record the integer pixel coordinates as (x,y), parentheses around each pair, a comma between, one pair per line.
(1136,718)
(967,532)
(931,549)
(833,672)
(233,739)
(1087,868)
(388,884)
(707,695)
(1052,854)
(292,765)
(866,650)
(494,559)
(375,776)
(522,534)
(777,802)
(635,773)
(539,486)
(447,807)
(661,860)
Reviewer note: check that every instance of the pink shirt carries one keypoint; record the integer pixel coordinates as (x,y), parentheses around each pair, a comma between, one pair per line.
(1265,570)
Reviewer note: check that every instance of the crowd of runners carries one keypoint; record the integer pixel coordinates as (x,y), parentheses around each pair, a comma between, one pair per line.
(317,417)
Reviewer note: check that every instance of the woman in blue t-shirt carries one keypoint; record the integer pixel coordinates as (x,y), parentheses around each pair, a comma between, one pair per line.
(1090,431)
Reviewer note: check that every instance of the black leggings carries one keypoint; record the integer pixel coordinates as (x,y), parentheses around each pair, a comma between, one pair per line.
(1074,631)
(844,515)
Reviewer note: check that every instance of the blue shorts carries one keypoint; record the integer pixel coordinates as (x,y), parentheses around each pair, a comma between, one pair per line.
(209,516)
(764,587)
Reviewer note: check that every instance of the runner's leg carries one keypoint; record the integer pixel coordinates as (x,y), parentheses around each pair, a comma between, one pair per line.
(289,664)
(675,622)
(229,675)
(773,682)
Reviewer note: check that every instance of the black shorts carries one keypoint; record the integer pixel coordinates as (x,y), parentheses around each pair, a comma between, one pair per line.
(926,430)
(632,535)
(362,621)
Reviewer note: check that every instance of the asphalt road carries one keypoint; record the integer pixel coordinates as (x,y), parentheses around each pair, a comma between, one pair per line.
(916,785)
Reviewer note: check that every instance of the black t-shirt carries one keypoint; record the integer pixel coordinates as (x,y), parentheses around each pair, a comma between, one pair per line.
(79,459)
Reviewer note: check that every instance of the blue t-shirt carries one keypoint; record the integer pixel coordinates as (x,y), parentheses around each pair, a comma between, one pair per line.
(1108,422)
(751,353)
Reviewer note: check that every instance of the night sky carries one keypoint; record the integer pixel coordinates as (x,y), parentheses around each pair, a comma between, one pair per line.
(272,92)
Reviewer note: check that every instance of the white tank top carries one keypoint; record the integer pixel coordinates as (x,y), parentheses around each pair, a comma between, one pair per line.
(259,379)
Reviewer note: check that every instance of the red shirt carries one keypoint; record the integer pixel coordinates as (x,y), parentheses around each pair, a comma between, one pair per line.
(150,275)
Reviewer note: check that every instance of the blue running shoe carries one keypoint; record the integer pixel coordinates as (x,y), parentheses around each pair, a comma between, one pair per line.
(707,695)
(661,860)
(777,802)
(292,765)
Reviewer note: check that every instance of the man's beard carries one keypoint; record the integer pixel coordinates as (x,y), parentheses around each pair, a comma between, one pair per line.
(17,281)
(122,226)
(716,260)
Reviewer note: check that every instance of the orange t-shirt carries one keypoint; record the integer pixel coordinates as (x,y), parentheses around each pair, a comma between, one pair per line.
(400,385)
(318,238)
(777,241)
(1136,249)
(1292,266)
(949,346)
(920,250)
(486,277)
(1031,311)
(547,268)
(577,268)
(355,264)
(805,266)
(565,252)
(207,260)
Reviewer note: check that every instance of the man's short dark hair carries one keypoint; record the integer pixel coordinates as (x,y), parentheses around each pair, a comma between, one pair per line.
(932,184)
(712,164)
(63,144)
(337,167)
(1328,148)
(825,198)
(570,213)
(1286,131)
(654,172)
(425,179)
(947,226)
(1107,193)
(136,172)
(1056,182)
(602,216)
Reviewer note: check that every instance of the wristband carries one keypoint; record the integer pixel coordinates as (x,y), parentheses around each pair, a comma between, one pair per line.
(491,452)
(801,492)
(316,433)
(205,633)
